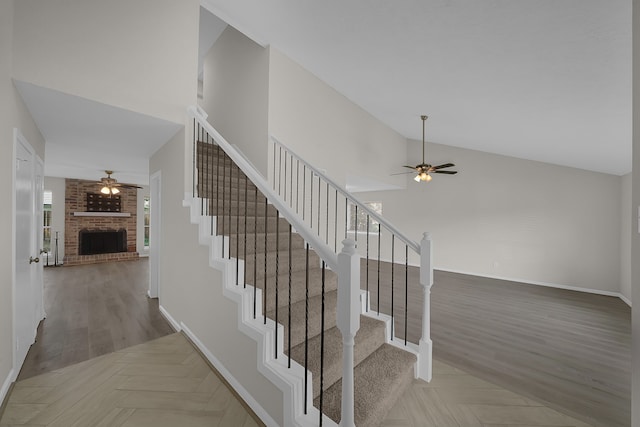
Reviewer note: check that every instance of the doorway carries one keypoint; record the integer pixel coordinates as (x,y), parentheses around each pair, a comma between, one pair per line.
(27,277)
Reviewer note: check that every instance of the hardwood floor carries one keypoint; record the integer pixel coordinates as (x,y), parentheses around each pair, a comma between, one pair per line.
(570,350)
(93,310)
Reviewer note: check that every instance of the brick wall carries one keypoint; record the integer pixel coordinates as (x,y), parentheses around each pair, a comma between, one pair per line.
(76,201)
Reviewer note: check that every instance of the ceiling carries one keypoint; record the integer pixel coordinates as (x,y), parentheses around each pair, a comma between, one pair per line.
(84,137)
(546,80)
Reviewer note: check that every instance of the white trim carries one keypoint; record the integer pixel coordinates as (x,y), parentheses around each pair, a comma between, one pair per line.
(237,386)
(118,214)
(174,323)
(155,236)
(545,284)
(5,386)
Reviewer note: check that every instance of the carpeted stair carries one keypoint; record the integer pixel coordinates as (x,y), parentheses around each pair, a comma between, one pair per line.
(382,371)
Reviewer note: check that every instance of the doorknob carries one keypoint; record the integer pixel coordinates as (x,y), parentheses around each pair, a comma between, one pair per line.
(42,251)
(32,259)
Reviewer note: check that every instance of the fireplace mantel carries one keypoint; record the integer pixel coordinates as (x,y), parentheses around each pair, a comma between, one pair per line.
(112,214)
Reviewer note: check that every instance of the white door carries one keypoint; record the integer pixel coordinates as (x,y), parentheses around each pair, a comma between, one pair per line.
(26,314)
(154,234)
(38,227)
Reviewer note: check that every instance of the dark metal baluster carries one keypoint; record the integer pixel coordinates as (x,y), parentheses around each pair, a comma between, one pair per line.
(319,202)
(347,220)
(230,203)
(406,289)
(326,229)
(322,345)
(275,350)
(217,183)
(289,315)
(224,198)
(280,173)
(205,175)
(335,225)
(264,298)
(255,250)
(200,174)
(285,176)
(246,208)
(379,228)
(193,182)
(367,270)
(356,224)
(304,189)
(306,329)
(238,226)
(393,263)
(211,153)
(311,200)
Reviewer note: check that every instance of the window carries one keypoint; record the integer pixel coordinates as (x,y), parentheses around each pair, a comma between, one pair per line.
(146,221)
(46,223)
(358,218)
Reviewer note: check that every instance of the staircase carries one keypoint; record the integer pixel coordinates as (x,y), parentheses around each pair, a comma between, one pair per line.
(300,293)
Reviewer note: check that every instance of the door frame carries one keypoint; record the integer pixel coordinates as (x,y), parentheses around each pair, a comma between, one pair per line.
(155,240)
(19,138)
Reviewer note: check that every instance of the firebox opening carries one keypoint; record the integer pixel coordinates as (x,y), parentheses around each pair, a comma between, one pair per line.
(93,242)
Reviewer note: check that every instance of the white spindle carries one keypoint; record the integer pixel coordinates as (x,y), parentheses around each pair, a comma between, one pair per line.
(348,320)
(426,280)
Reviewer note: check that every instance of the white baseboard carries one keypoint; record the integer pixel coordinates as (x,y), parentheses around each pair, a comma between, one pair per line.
(237,386)
(548,285)
(5,386)
(174,323)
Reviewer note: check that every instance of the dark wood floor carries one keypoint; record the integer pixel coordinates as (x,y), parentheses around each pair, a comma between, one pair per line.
(570,350)
(93,310)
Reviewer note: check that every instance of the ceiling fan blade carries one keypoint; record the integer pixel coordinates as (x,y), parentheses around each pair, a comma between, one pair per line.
(402,173)
(128,186)
(410,167)
(446,165)
(446,172)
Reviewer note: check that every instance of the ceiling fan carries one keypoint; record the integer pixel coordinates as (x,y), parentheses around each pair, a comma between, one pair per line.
(424,170)
(110,185)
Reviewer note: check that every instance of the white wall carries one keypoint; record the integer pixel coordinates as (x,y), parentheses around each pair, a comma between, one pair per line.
(513,218)
(328,129)
(235,93)
(142,193)
(57,187)
(139,55)
(635,241)
(13,113)
(191,291)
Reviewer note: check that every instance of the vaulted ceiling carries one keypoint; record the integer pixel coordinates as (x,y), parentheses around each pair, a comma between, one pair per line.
(546,80)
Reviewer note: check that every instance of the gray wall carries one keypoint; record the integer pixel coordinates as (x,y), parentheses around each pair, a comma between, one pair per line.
(235,93)
(513,218)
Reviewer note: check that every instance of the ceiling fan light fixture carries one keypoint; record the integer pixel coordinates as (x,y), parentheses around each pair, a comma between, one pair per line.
(105,190)
(114,190)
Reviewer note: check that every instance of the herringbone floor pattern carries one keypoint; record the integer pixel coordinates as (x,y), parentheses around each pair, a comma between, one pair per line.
(167,383)
(160,383)
(456,399)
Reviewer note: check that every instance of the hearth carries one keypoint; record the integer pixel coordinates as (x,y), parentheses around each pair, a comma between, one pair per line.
(94,242)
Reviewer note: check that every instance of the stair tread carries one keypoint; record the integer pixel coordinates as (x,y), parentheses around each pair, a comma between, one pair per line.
(379,381)
(369,338)
(298,317)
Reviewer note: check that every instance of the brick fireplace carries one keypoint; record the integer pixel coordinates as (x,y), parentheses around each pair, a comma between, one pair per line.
(80,221)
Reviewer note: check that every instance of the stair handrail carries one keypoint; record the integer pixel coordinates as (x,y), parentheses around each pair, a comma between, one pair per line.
(373,214)
(320,247)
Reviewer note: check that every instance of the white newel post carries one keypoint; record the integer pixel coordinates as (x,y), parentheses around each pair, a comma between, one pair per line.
(426,280)
(348,322)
